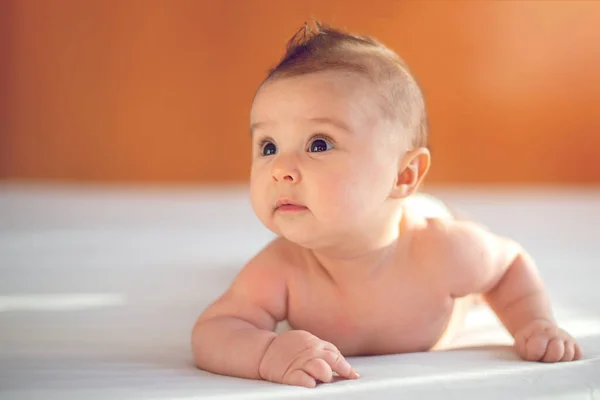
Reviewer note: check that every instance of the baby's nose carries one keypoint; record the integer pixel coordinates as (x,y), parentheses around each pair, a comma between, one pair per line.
(285,170)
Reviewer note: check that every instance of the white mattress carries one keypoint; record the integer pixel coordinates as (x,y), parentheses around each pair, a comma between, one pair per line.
(99,288)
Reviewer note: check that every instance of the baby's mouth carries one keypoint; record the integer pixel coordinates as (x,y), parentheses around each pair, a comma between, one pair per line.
(288,206)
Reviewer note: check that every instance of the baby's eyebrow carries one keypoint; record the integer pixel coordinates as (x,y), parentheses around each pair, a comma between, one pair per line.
(322,120)
(256,125)
(332,121)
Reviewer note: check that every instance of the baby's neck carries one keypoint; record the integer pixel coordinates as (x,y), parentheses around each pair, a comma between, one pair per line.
(356,267)
(361,256)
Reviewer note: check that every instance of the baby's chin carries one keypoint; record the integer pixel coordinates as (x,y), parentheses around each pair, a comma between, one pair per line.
(298,233)
(304,229)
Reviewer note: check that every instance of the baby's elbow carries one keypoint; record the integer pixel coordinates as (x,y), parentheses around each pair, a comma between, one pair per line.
(196,343)
(204,340)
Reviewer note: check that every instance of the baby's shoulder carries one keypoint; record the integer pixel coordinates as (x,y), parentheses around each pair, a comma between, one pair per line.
(279,254)
(446,242)
(443,241)
(267,269)
(444,233)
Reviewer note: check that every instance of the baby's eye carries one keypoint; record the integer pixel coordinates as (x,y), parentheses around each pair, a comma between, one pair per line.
(319,144)
(268,149)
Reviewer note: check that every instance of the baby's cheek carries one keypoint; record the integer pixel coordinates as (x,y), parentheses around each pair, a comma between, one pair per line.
(258,199)
(366,191)
(345,197)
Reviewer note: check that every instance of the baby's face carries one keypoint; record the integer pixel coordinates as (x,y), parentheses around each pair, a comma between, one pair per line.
(321,144)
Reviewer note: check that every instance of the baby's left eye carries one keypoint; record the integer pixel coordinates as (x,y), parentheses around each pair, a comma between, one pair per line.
(319,144)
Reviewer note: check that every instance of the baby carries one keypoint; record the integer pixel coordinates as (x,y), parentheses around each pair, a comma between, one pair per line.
(362,263)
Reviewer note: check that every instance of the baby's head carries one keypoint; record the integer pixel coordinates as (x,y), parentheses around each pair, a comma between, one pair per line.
(339,127)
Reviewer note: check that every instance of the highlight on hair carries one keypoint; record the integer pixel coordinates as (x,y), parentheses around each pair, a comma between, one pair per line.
(321,48)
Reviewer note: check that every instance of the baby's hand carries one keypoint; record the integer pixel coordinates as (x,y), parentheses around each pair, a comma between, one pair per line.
(542,340)
(300,358)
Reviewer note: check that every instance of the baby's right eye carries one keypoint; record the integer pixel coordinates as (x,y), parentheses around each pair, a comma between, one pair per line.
(268,148)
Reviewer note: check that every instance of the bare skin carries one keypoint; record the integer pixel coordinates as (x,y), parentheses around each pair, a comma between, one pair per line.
(359,272)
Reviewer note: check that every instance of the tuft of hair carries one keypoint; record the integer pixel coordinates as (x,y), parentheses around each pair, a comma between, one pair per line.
(321,48)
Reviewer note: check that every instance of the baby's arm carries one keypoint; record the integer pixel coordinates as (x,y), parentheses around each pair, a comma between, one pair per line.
(501,269)
(235,337)
(233,334)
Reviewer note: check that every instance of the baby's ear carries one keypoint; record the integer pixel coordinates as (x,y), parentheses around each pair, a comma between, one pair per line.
(412,169)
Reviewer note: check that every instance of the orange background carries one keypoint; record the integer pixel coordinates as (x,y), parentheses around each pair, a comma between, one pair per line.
(160,91)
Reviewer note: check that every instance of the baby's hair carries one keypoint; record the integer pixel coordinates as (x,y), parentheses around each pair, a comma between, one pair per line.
(321,48)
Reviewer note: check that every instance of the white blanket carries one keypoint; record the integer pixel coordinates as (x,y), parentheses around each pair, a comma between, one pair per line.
(99,289)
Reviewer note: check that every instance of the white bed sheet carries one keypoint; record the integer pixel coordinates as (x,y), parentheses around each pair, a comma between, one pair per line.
(99,288)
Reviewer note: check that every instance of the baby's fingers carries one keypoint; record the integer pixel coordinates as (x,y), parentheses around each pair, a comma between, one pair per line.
(554,351)
(339,365)
(300,378)
(572,351)
(535,348)
(319,369)
(578,353)
(569,351)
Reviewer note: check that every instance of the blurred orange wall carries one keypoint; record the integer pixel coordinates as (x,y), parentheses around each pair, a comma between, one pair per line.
(154,90)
